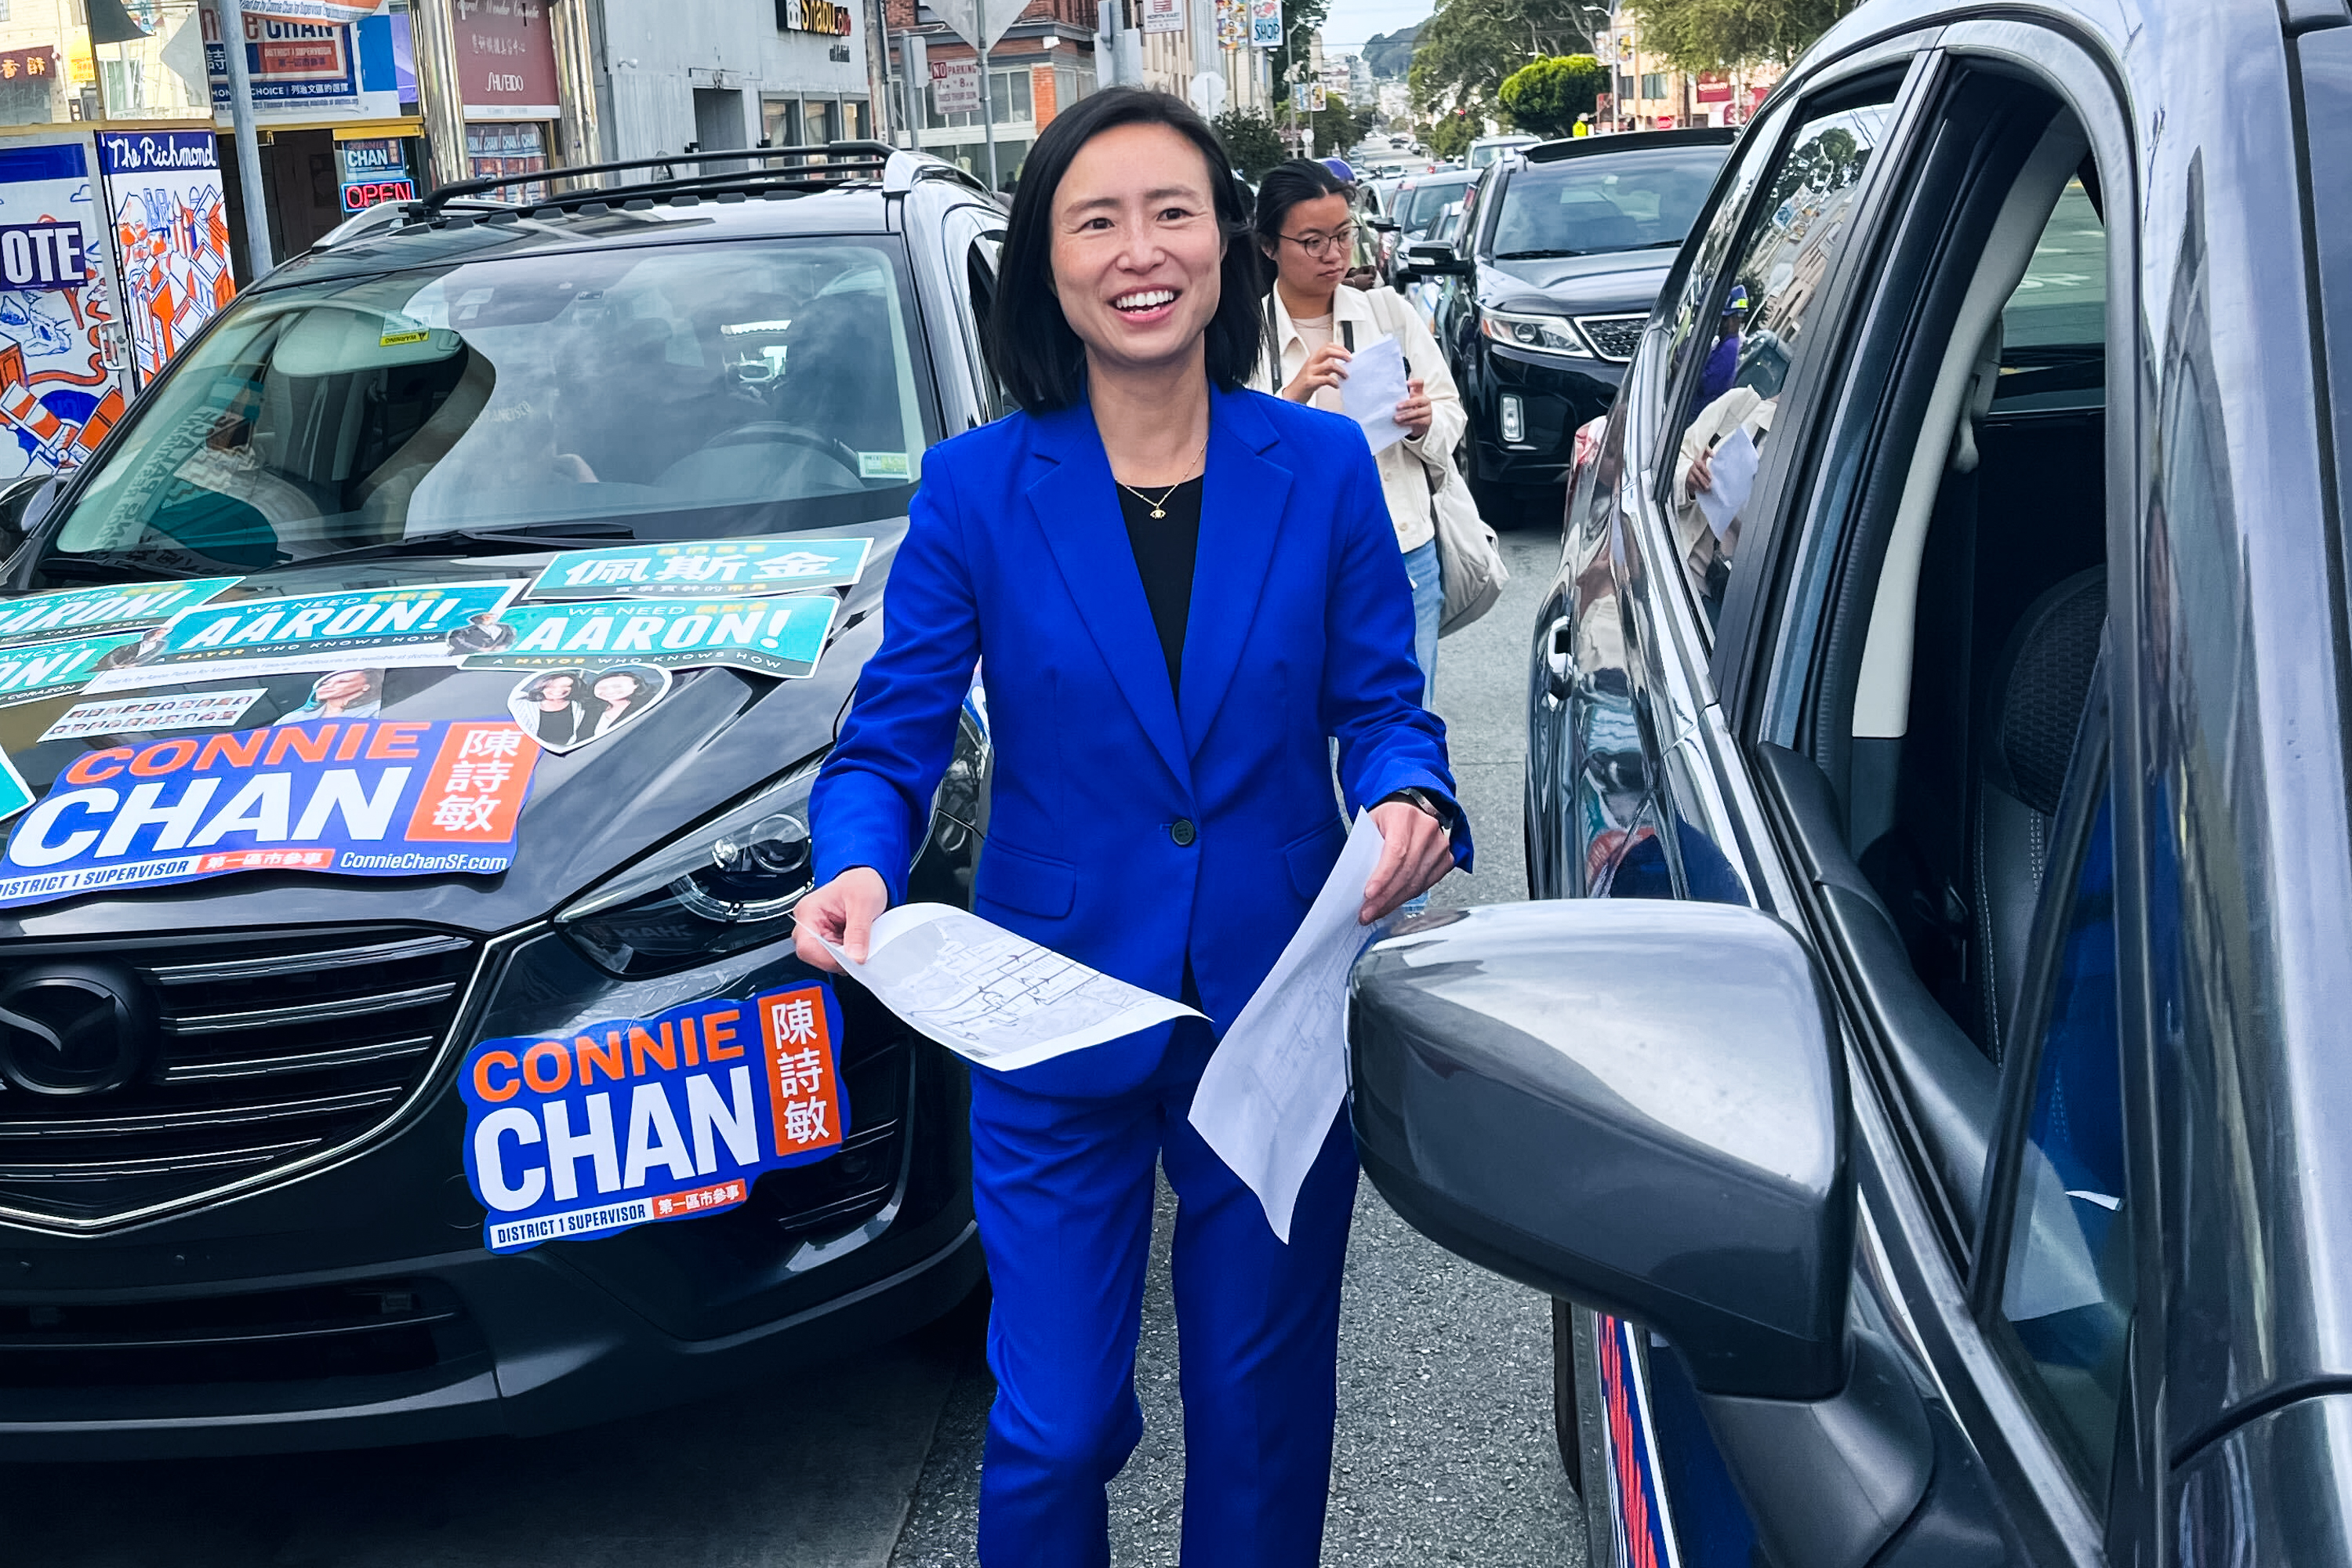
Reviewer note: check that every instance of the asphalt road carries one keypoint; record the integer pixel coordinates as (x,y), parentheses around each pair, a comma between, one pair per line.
(1444,1455)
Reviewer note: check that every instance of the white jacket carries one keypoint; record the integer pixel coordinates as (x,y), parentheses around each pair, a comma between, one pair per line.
(1408,468)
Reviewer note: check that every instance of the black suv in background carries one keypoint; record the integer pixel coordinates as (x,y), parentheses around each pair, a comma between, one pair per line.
(234,1137)
(1566,245)
(1924,1063)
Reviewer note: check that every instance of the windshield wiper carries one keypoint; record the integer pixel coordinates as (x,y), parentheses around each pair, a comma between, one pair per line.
(521,539)
(1533,255)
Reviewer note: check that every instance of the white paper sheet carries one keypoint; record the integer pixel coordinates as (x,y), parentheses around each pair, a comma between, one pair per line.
(1266,1101)
(1732,468)
(1374,385)
(992,997)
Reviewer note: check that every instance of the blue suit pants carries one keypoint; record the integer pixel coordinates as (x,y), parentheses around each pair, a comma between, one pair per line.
(1064,1189)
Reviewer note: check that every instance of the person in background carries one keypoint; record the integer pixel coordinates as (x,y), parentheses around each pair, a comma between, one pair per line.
(1304,228)
(1722,367)
(1179,593)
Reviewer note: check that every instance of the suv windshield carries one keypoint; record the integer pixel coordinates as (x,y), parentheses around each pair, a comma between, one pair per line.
(666,392)
(1420,206)
(1618,201)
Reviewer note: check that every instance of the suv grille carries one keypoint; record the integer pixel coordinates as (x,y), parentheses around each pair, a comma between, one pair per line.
(270,1047)
(1613,337)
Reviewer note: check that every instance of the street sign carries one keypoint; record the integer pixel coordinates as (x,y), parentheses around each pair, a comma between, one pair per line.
(1265,23)
(1163,16)
(968,19)
(955,85)
(1208,93)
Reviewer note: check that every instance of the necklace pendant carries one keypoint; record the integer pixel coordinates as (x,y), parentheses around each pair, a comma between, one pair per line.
(1157,513)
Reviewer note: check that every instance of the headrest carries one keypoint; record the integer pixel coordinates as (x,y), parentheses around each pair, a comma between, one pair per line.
(2040,684)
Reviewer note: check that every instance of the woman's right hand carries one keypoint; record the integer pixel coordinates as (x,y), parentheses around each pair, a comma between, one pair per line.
(1327,366)
(843,912)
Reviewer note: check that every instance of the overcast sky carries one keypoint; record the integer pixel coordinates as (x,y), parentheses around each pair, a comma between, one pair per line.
(1352,22)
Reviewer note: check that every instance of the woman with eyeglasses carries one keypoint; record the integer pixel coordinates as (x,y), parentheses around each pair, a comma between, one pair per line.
(1308,229)
(1179,593)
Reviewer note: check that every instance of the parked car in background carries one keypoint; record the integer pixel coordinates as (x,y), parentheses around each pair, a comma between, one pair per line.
(1923,1063)
(1561,256)
(1419,201)
(240,1111)
(1486,149)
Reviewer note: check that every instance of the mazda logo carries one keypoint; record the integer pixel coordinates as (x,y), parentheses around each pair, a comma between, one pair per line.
(74,1028)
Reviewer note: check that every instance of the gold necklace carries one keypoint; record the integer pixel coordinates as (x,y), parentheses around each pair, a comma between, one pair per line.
(1160,507)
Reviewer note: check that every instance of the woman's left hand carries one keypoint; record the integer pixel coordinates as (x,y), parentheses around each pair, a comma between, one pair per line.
(1416,851)
(1414,413)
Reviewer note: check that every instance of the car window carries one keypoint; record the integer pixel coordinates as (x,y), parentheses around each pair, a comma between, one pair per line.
(1587,207)
(684,389)
(1798,219)
(2055,329)
(984,256)
(2066,1291)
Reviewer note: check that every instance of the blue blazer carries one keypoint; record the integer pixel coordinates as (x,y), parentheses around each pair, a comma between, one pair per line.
(1016,555)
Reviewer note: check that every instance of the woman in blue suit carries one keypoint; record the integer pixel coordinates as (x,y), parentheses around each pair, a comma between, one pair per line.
(1179,592)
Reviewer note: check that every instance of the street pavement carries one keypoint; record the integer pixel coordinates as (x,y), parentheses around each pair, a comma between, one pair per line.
(1444,1455)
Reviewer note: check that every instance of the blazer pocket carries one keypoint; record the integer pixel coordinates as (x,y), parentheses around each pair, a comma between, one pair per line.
(1030,883)
(1310,859)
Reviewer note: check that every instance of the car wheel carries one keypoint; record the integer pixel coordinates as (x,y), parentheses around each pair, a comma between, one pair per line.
(1566,1427)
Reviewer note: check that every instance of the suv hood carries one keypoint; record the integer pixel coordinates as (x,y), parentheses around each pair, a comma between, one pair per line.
(1619,280)
(719,733)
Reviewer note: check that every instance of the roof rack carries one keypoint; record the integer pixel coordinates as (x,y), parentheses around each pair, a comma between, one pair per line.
(808,167)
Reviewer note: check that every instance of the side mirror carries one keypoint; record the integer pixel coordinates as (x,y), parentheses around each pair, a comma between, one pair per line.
(24,502)
(1432,256)
(1637,1105)
(1386,224)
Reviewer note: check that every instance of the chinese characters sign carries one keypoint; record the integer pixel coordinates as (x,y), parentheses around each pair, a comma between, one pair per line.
(630,1120)
(353,798)
(712,567)
(506,58)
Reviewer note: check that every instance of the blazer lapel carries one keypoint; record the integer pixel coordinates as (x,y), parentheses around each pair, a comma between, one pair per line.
(1241,509)
(1077,503)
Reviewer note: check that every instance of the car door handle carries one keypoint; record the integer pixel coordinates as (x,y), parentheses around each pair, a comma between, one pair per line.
(1560,657)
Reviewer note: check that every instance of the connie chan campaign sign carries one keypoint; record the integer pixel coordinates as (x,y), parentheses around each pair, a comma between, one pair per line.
(631,1120)
(345,798)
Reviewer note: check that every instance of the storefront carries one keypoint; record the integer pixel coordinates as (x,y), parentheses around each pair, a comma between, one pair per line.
(506,87)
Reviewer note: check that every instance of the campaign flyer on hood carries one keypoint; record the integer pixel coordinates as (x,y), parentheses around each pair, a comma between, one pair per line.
(428,624)
(138,715)
(341,798)
(34,671)
(783,635)
(703,568)
(631,1120)
(88,611)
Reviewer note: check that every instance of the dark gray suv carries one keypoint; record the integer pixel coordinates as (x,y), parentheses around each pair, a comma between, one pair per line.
(1947,1151)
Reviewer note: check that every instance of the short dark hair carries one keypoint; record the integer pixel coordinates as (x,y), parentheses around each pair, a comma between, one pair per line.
(1030,345)
(1285,186)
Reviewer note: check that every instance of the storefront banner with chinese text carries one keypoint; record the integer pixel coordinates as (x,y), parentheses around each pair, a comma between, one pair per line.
(165,201)
(112,609)
(630,1120)
(60,395)
(783,635)
(361,797)
(310,68)
(390,626)
(719,566)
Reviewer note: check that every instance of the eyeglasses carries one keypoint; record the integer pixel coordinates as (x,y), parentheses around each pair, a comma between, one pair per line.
(1318,246)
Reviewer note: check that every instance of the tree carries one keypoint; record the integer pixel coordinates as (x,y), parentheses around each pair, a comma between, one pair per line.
(1299,17)
(1468,46)
(1337,127)
(1547,97)
(1716,35)
(1251,141)
(1449,136)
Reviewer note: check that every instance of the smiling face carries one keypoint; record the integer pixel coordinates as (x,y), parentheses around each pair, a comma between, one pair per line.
(616,689)
(1304,273)
(555,691)
(1137,247)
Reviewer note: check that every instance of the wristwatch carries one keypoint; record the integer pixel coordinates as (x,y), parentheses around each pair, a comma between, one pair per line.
(1443,810)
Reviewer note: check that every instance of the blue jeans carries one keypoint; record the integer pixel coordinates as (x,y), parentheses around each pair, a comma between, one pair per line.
(1428,608)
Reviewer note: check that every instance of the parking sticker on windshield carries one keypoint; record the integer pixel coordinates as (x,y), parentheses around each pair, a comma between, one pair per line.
(630,1120)
(345,797)
(434,623)
(139,715)
(884,466)
(704,568)
(781,636)
(89,611)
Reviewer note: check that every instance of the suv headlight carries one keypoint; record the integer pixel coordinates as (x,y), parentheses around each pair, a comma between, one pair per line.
(726,885)
(1547,334)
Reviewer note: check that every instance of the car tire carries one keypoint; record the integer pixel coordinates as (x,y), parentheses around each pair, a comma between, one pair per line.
(1566,1426)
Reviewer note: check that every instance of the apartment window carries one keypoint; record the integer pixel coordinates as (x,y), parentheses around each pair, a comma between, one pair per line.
(1654,84)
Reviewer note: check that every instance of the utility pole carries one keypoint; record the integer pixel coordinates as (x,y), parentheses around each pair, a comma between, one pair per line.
(877,71)
(258,252)
(987,90)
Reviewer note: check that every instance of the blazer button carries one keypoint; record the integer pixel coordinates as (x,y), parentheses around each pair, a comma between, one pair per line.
(1182,831)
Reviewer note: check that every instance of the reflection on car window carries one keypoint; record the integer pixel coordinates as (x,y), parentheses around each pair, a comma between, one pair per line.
(2053,330)
(1419,207)
(1802,214)
(2067,1292)
(683,389)
(1621,201)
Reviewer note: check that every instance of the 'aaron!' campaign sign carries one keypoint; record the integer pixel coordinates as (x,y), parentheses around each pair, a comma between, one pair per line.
(780,636)
(631,1120)
(703,568)
(34,671)
(89,611)
(346,798)
(380,627)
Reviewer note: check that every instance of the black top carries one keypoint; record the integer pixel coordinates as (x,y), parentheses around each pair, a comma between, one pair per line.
(1165,549)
